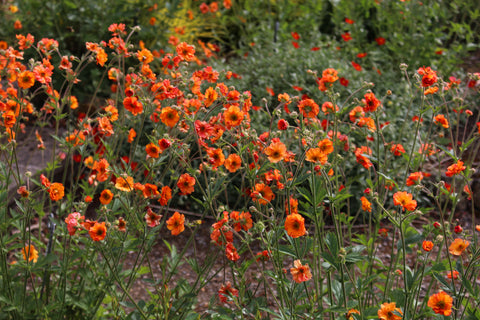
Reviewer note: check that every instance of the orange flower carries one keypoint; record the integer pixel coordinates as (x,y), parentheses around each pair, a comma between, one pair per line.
(327,108)
(30,253)
(26,79)
(316,155)
(455,168)
(124,184)
(152,218)
(233,162)
(326,146)
(133,105)
(300,273)
(350,313)
(308,108)
(441,120)
(121,224)
(165,195)
(131,135)
(295,225)
(458,246)
(363,160)
(98,231)
(427,245)
(9,118)
(185,51)
(152,150)
(106,197)
(145,56)
(227,291)
(56,191)
(262,194)
(388,311)
(454,274)
(186,184)
(441,303)
(176,223)
(366,205)
(233,116)
(404,199)
(169,116)
(101,168)
(371,102)
(397,149)
(414,177)
(429,76)
(276,151)
(367,122)
(231,252)
(216,157)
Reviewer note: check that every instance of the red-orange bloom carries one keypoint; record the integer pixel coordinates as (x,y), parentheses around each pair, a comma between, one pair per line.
(231,252)
(371,102)
(276,151)
(233,162)
(455,168)
(427,245)
(227,291)
(414,177)
(429,76)
(262,194)
(56,191)
(124,184)
(169,116)
(216,157)
(106,197)
(26,79)
(295,225)
(186,51)
(366,205)
(441,120)
(361,158)
(165,195)
(176,223)
(458,246)
(389,311)
(233,116)
(186,184)
(404,199)
(397,149)
(98,231)
(133,105)
(300,273)
(316,155)
(308,108)
(30,253)
(441,303)
(152,150)
(152,218)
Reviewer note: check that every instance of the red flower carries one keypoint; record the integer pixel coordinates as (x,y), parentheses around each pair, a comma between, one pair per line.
(186,184)
(356,66)
(380,41)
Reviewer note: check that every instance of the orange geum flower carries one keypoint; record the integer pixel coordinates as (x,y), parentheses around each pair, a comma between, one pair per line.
(216,157)
(405,200)
(397,149)
(106,197)
(150,190)
(458,246)
(276,151)
(371,102)
(145,56)
(330,75)
(389,311)
(30,253)
(185,51)
(327,107)
(102,170)
(233,162)
(169,116)
(455,168)
(441,303)
(56,191)
(262,194)
(231,252)
(356,113)
(300,273)
(295,225)
(427,245)
(441,120)
(367,122)
(153,151)
(165,195)
(210,96)
(133,105)
(366,205)
(414,177)
(176,223)
(227,291)
(98,231)
(186,184)
(131,135)
(316,155)
(429,76)
(308,108)
(152,218)
(326,146)
(9,118)
(233,116)
(124,183)
(121,224)
(26,79)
